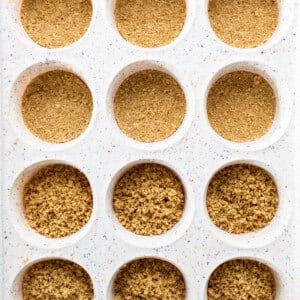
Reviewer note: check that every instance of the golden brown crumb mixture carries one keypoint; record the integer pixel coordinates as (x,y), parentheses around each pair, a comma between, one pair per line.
(242,279)
(244,24)
(242,198)
(57,106)
(150,23)
(149,199)
(149,279)
(149,106)
(57,280)
(241,106)
(57,201)
(56,23)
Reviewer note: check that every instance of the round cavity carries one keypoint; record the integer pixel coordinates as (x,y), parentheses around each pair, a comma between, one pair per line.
(149,106)
(53,278)
(150,24)
(56,23)
(247,204)
(52,204)
(149,204)
(242,279)
(244,24)
(247,105)
(150,278)
(51,106)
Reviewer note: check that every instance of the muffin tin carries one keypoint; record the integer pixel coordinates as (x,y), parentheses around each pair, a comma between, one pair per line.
(103,59)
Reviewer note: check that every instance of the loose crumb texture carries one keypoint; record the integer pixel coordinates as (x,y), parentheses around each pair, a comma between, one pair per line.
(57,280)
(149,106)
(149,278)
(149,199)
(241,106)
(57,106)
(56,23)
(57,201)
(150,23)
(244,24)
(242,198)
(240,280)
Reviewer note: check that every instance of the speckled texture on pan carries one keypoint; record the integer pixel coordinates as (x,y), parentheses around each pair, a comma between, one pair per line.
(102,58)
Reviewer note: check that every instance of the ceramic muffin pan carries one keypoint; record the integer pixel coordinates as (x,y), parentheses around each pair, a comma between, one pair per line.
(103,58)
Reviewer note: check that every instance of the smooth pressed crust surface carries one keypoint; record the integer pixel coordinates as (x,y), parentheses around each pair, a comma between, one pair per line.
(56,23)
(148,199)
(242,23)
(241,106)
(150,23)
(242,279)
(57,280)
(149,279)
(57,106)
(242,198)
(149,106)
(57,201)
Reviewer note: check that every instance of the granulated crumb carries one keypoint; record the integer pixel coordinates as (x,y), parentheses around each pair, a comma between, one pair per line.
(240,280)
(152,23)
(149,106)
(241,106)
(244,24)
(57,106)
(56,23)
(149,199)
(149,279)
(242,198)
(57,280)
(57,201)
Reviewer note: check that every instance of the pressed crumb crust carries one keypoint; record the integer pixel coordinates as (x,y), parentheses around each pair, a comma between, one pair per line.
(149,279)
(148,199)
(57,279)
(56,23)
(242,198)
(241,106)
(152,23)
(244,24)
(57,106)
(149,106)
(240,280)
(57,201)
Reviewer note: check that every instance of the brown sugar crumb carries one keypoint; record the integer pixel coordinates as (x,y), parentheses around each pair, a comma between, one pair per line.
(242,279)
(149,199)
(149,106)
(244,24)
(56,23)
(57,279)
(242,198)
(57,106)
(152,23)
(57,201)
(149,278)
(241,106)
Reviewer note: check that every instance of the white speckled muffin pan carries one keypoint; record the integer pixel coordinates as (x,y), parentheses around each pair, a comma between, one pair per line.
(102,58)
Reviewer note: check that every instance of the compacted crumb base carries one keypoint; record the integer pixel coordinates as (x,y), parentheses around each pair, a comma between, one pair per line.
(241,106)
(242,198)
(57,106)
(57,279)
(240,280)
(152,23)
(56,23)
(149,106)
(244,24)
(57,201)
(148,199)
(149,279)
